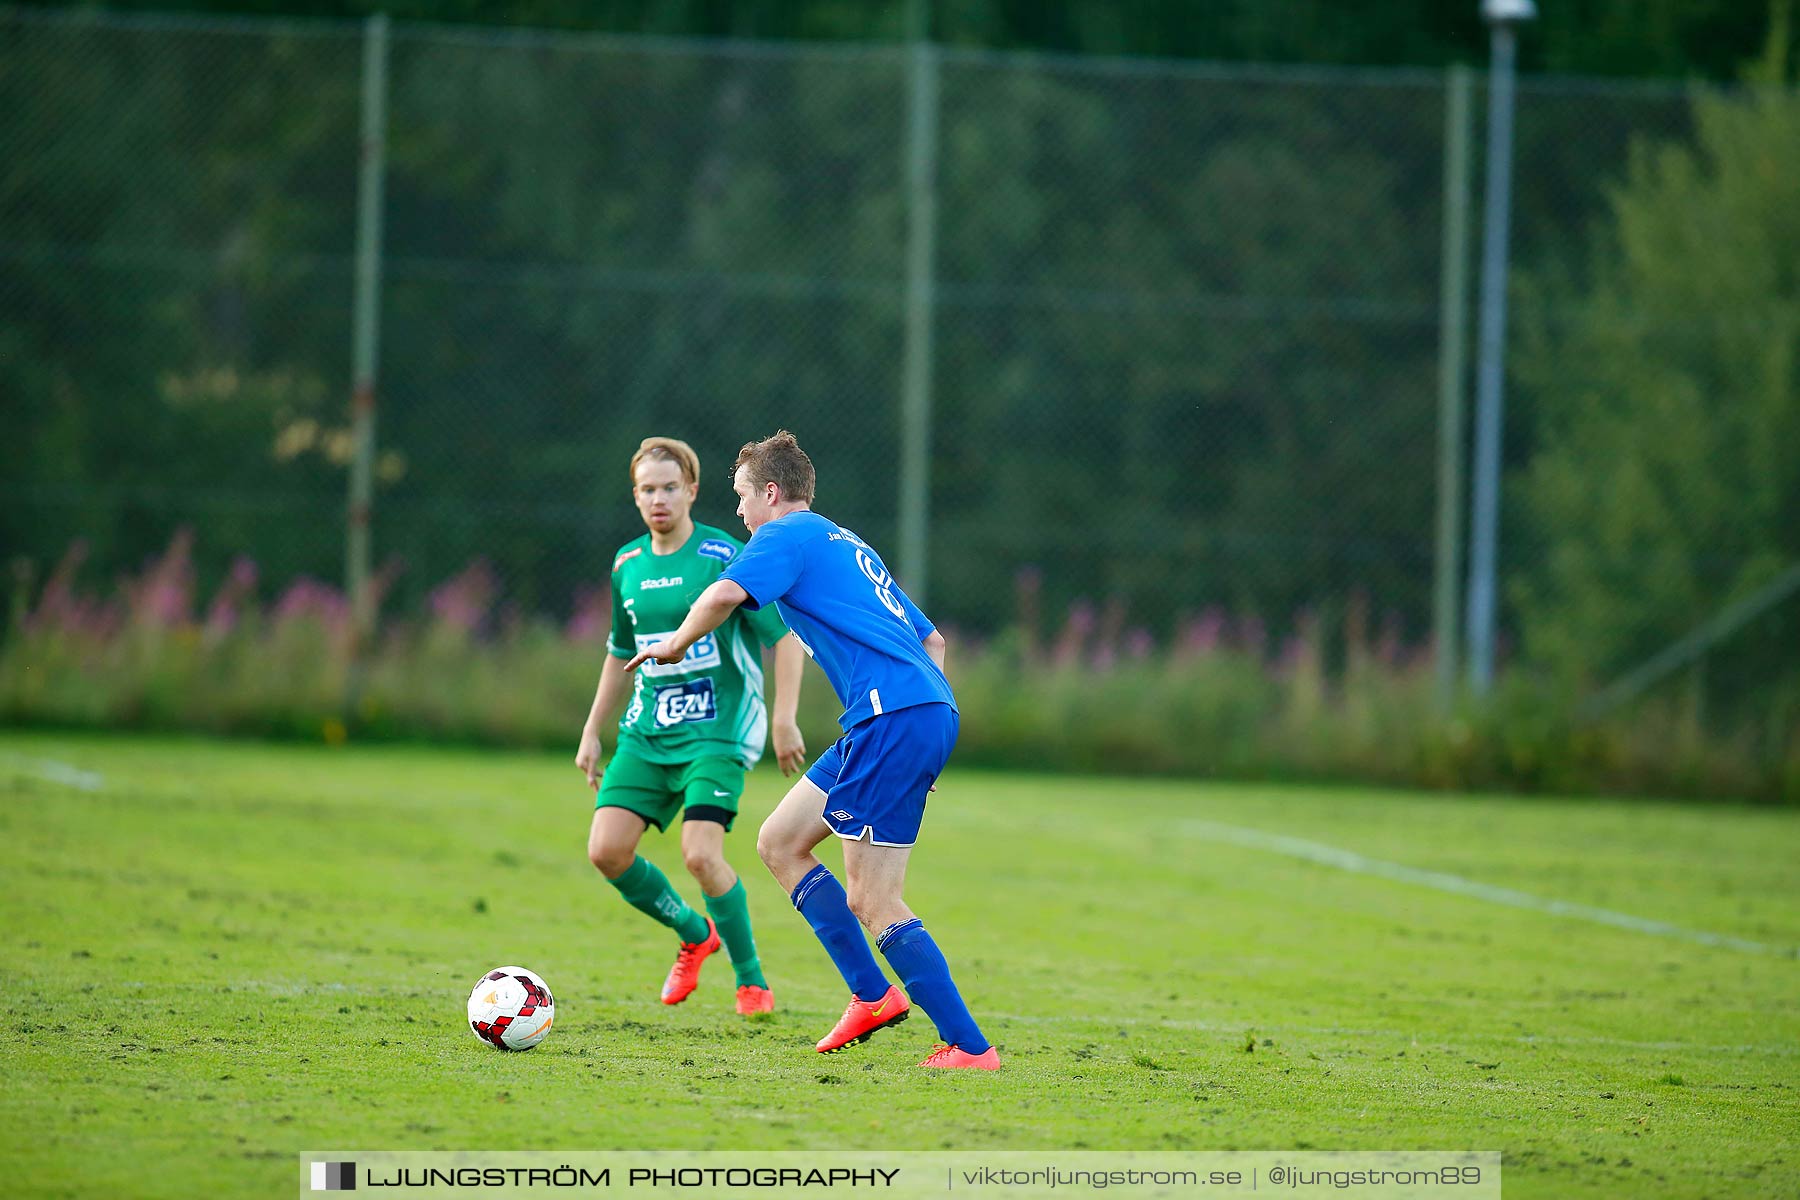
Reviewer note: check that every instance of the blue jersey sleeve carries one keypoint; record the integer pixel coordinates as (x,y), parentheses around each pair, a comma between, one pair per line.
(768,567)
(921,624)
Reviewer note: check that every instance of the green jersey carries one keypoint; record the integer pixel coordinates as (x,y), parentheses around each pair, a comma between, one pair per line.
(710,704)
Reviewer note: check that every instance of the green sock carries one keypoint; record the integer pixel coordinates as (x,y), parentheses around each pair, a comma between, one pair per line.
(647,889)
(731,914)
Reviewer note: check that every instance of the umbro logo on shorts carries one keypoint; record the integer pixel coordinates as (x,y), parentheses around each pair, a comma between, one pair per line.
(840,814)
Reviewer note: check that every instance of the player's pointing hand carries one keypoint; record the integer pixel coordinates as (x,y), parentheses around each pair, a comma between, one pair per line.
(662,652)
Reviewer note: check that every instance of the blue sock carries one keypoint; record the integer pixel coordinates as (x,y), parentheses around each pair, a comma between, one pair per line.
(926,977)
(820,899)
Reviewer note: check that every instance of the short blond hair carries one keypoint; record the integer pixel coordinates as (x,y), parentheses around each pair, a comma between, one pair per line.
(668,449)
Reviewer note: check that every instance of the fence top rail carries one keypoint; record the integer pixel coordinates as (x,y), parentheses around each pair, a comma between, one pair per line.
(1195,70)
(496,36)
(587,41)
(172,22)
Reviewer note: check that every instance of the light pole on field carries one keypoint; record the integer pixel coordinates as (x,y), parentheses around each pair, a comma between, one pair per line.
(1503,18)
(921,254)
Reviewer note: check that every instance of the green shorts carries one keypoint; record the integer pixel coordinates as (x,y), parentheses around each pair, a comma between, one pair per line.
(708,788)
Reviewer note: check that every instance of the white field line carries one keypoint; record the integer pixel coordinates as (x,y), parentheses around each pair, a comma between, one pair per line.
(1238,1029)
(55,772)
(1349,860)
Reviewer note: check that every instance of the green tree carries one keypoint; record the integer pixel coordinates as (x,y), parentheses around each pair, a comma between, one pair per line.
(1666,482)
(172,285)
(1183,317)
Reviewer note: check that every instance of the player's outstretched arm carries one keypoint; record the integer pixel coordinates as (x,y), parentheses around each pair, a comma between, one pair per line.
(715,604)
(611,690)
(784,725)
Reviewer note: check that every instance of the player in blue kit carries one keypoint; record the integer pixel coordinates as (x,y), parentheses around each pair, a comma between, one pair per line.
(885,660)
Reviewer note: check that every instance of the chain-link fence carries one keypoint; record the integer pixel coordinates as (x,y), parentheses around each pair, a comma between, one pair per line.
(1185,321)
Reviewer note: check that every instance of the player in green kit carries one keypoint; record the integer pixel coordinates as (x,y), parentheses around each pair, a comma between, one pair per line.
(691,729)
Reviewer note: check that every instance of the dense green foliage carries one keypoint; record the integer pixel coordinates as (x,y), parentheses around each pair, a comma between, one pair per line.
(1667,413)
(226,954)
(1186,323)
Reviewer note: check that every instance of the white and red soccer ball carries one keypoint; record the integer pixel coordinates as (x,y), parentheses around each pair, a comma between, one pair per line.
(511,1008)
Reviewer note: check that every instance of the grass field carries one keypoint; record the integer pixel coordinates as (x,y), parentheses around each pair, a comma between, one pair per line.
(226,953)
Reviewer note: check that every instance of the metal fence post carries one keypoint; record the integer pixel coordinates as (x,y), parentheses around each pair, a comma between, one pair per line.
(1453,315)
(1484,516)
(365,337)
(921,253)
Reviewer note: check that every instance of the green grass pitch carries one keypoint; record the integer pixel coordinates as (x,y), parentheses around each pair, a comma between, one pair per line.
(221,954)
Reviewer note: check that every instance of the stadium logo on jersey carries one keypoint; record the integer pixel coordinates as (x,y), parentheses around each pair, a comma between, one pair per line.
(663,582)
(702,655)
(685,703)
(626,557)
(718,548)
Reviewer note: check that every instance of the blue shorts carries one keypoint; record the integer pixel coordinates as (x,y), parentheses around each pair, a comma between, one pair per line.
(875,777)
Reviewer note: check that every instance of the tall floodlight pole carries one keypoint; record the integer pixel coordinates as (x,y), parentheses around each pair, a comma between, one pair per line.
(1453,319)
(1503,18)
(921,253)
(366,328)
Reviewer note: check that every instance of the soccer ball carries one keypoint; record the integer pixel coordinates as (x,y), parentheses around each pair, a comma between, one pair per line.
(511,1008)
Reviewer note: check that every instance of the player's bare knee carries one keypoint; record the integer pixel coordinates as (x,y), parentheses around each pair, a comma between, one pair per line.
(609,858)
(703,864)
(771,847)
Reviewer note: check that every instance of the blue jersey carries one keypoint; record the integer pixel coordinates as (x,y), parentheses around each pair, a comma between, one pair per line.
(840,602)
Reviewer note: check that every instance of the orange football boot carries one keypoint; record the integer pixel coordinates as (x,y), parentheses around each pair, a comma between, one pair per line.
(684,976)
(753,1001)
(954,1057)
(863,1017)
